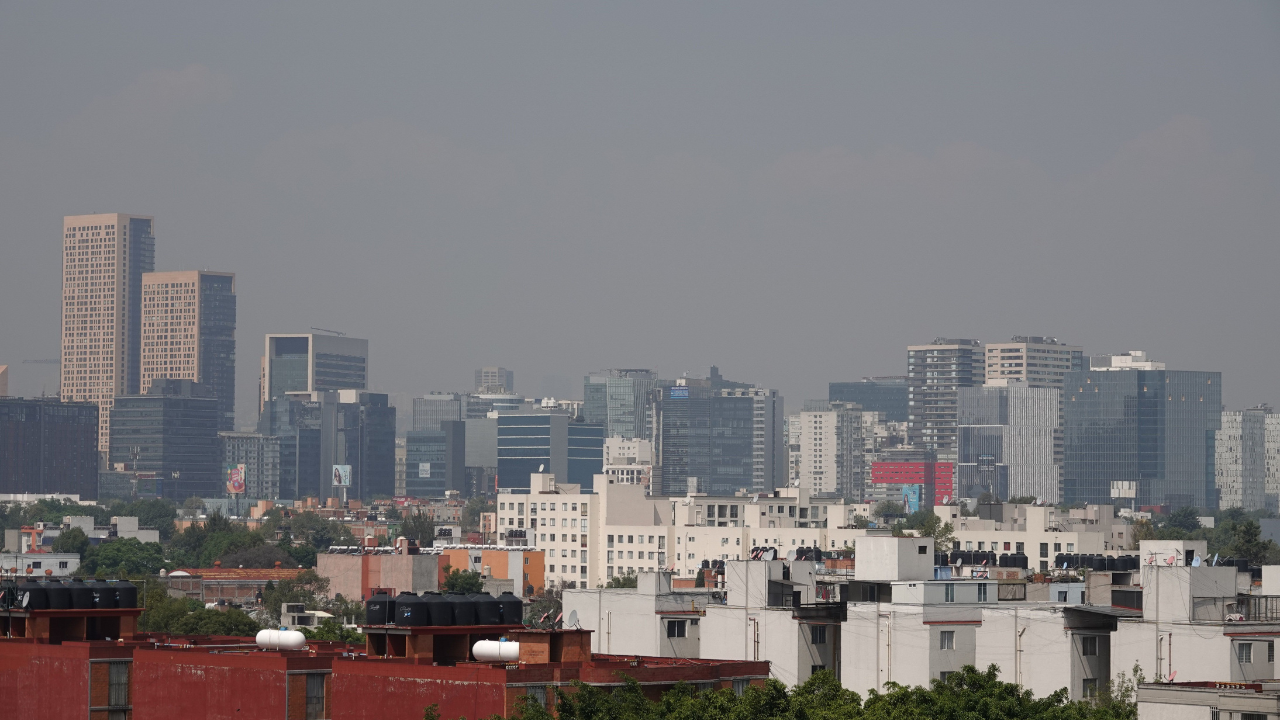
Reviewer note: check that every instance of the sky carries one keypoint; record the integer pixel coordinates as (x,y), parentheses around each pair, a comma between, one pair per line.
(791,191)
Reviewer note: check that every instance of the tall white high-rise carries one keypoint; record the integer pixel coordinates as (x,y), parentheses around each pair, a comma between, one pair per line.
(830,449)
(104,257)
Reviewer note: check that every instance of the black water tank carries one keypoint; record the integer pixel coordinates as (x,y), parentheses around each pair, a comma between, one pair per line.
(376,610)
(464,609)
(1022,561)
(440,610)
(488,609)
(512,609)
(59,596)
(1242,565)
(411,610)
(955,557)
(37,598)
(104,595)
(81,595)
(126,594)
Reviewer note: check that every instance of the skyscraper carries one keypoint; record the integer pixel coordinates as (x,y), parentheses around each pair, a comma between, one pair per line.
(495,380)
(104,258)
(308,362)
(1034,360)
(728,435)
(572,451)
(935,374)
(1144,436)
(1009,441)
(438,407)
(1240,464)
(619,400)
(172,431)
(47,446)
(189,333)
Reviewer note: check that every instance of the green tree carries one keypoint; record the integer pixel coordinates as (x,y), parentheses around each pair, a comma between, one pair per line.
(888,507)
(334,631)
(462,581)
(232,622)
(259,556)
(308,588)
(471,512)
(125,556)
(419,527)
(628,580)
(162,611)
(1186,519)
(72,541)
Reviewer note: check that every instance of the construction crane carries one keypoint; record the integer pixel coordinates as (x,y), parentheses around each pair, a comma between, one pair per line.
(331,332)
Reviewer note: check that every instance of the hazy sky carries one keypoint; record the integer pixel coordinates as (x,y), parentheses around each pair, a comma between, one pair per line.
(792,191)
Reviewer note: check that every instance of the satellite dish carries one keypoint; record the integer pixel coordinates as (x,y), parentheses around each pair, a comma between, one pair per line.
(573,619)
(540,468)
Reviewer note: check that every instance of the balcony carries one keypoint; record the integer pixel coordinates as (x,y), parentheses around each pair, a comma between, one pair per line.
(835,612)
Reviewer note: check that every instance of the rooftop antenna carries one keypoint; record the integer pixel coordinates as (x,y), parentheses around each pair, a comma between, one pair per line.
(331,332)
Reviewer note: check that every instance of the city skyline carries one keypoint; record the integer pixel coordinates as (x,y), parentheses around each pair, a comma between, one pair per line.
(804,169)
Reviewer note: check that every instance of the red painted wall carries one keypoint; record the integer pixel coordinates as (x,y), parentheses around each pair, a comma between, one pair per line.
(198,685)
(382,690)
(44,681)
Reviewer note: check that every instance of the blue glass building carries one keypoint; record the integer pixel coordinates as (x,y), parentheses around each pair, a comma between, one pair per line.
(572,451)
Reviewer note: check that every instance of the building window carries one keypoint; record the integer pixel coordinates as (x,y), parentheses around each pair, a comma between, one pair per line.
(1044,550)
(1253,716)
(945,675)
(677,628)
(1090,687)
(1244,652)
(949,592)
(818,634)
(62,564)
(1271,651)
(1018,546)
(118,684)
(539,695)
(814,669)
(740,686)
(982,592)
(1089,645)
(315,696)
(947,640)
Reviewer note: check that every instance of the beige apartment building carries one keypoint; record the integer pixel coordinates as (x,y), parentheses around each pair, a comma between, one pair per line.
(104,258)
(1034,360)
(188,333)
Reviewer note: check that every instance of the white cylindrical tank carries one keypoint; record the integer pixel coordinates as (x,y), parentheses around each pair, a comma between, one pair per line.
(281,640)
(496,651)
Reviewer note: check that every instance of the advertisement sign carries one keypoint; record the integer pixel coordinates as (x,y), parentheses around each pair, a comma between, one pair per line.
(235,478)
(424,470)
(679,391)
(342,476)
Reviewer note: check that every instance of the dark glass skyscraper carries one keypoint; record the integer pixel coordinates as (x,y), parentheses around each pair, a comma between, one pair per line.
(573,452)
(884,395)
(48,446)
(171,431)
(1146,430)
(435,460)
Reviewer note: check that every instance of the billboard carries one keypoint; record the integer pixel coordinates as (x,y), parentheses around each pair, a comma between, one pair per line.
(680,391)
(424,470)
(342,476)
(235,478)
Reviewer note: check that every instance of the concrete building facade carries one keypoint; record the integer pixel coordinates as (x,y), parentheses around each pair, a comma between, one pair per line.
(935,374)
(309,362)
(104,259)
(189,333)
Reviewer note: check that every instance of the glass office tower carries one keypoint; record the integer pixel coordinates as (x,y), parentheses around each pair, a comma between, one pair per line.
(618,399)
(1148,434)
(884,395)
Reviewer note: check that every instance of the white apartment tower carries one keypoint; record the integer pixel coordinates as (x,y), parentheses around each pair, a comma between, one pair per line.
(830,453)
(104,258)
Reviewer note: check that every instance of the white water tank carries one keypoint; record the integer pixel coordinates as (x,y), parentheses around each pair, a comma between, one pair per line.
(496,651)
(281,640)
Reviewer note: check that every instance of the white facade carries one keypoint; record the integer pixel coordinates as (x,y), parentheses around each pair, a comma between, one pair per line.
(830,451)
(1041,532)
(628,461)
(1035,361)
(1131,360)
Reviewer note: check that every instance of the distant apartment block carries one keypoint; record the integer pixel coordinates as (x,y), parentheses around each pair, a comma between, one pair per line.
(189,333)
(260,457)
(1241,458)
(103,260)
(495,380)
(935,374)
(830,449)
(1034,360)
(1009,441)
